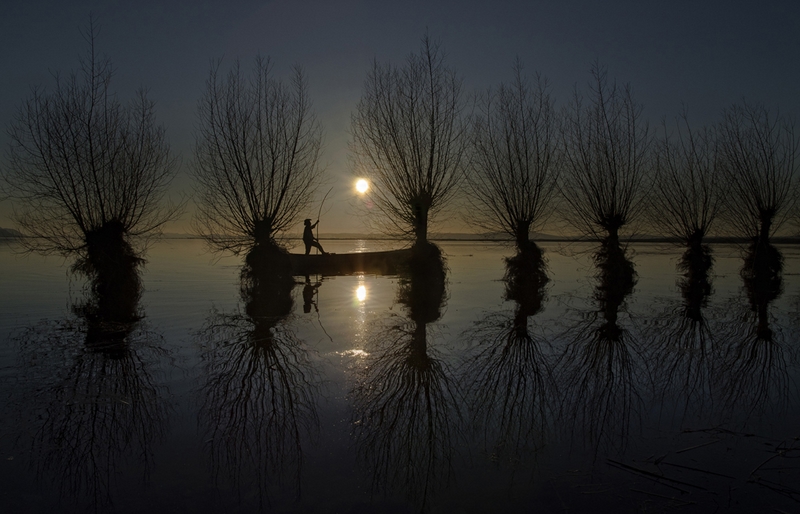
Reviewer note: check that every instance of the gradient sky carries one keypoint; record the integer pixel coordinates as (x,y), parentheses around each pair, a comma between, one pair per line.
(706,55)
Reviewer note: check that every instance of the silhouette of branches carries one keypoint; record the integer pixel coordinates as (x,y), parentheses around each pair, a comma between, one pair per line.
(87,170)
(94,401)
(687,191)
(409,139)
(606,158)
(256,154)
(759,162)
(685,347)
(406,401)
(259,396)
(508,377)
(685,200)
(515,158)
(753,370)
(598,369)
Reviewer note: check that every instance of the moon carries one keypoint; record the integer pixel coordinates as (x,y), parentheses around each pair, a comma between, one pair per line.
(362,186)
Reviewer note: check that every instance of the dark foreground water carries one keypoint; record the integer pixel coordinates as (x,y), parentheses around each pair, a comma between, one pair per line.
(370,394)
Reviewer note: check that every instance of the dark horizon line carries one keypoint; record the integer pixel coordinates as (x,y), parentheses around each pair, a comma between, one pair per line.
(463,236)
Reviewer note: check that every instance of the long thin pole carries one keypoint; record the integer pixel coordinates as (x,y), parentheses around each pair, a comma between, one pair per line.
(319,213)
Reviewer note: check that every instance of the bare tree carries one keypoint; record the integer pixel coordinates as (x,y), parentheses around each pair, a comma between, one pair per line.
(256,156)
(409,139)
(759,163)
(686,196)
(514,160)
(606,157)
(88,172)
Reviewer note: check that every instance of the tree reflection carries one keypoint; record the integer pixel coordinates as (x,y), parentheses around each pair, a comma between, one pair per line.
(508,377)
(259,397)
(406,403)
(599,364)
(754,366)
(94,400)
(684,343)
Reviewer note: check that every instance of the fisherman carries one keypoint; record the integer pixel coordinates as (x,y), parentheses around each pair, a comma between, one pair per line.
(309,239)
(309,291)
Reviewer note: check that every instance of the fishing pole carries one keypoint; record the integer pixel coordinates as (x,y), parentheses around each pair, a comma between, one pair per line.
(319,281)
(319,213)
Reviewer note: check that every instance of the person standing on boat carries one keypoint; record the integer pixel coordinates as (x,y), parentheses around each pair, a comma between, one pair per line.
(309,239)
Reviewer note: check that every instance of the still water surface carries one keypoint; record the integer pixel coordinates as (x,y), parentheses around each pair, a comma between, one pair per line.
(356,399)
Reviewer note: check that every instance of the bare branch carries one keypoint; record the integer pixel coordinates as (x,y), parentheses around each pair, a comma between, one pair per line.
(409,139)
(256,156)
(759,163)
(606,158)
(83,164)
(686,196)
(514,158)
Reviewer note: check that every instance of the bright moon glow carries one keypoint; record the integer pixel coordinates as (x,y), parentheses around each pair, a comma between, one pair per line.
(361,293)
(362,185)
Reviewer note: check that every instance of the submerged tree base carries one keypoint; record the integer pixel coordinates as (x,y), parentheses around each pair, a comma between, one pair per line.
(763,263)
(617,278)
(267,281)
(112,266)
(526,277)
(696,260)
(423,283)
(695,285)
(762,274)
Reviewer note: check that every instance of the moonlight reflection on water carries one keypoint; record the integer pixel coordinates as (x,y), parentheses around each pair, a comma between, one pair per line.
(588,383)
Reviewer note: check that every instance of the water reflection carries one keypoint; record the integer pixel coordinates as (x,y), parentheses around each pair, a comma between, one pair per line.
(310,294)
(754,372)
(407,414)
(92,395)
(361,293)
(684,345)
(599,368)
(508,377)
(259,398)
(66,368)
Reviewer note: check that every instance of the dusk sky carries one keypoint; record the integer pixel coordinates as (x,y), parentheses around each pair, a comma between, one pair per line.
(706,55)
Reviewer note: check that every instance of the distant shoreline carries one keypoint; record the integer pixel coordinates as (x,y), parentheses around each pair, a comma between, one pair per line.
(11,234)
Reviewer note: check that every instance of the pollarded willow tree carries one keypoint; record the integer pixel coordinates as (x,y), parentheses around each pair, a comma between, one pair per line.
(256,156)
(88,173)
(759,163)
(606,158)
(515,159)
(409,139)
(686,196)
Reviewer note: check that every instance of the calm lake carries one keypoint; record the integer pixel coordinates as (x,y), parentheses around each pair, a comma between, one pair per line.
(366,394)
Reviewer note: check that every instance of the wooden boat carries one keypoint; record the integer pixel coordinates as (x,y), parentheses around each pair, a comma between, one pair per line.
(379,263)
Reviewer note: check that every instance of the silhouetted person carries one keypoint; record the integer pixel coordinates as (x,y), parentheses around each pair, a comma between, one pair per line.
(309,290)
(309,239)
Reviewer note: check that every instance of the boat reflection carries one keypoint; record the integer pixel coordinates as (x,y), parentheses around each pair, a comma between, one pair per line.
(91,393)
(598,370)
(259,398)
(406,405)
(508,376)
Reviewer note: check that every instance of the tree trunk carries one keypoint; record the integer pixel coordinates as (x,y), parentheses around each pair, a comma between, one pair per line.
(766,228)
(521,234)
(613,235)
(420,209)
